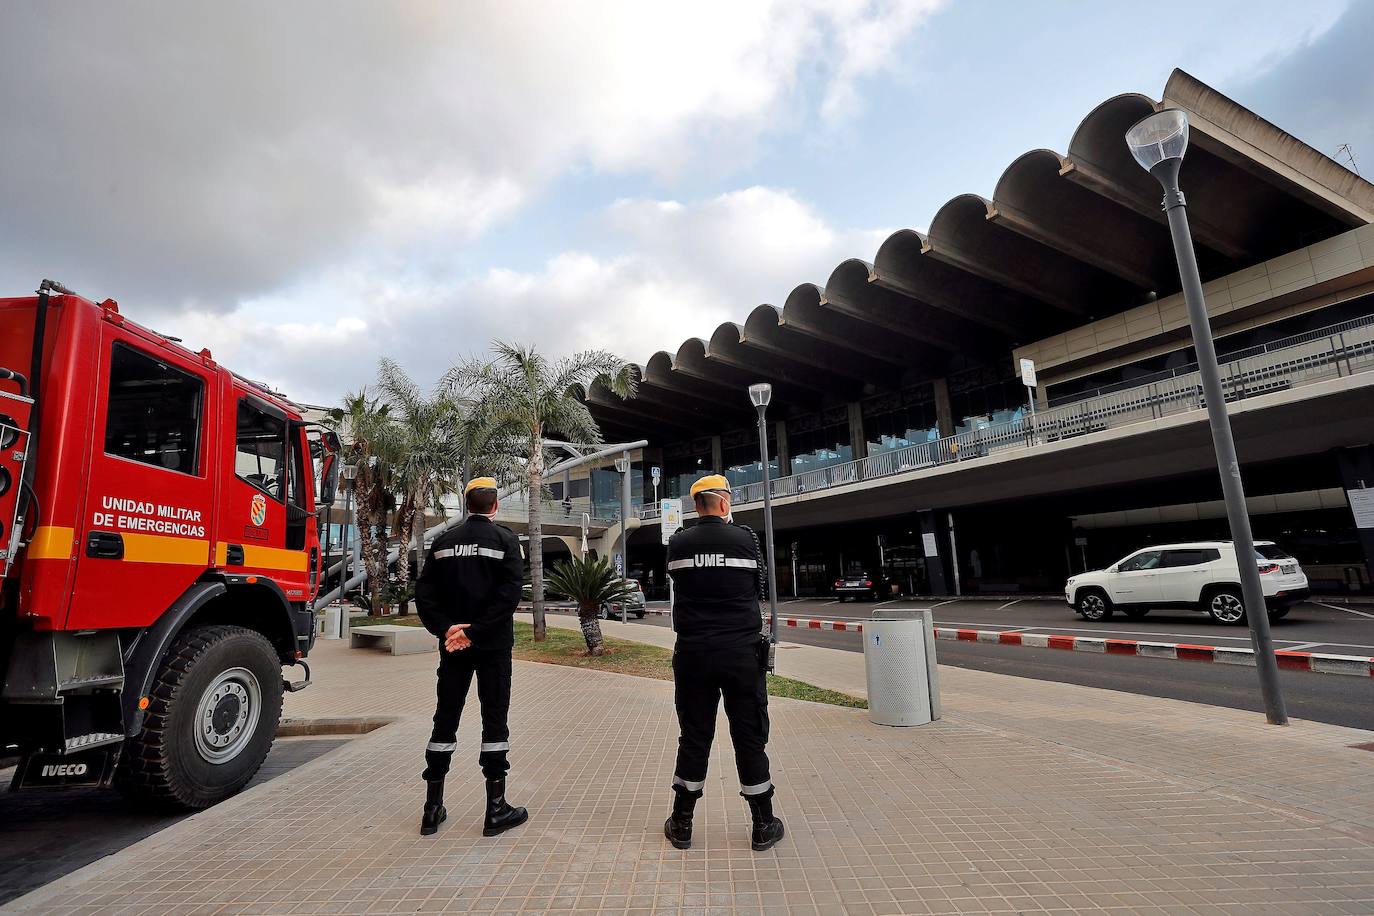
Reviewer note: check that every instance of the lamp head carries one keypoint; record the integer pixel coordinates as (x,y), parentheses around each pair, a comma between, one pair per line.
(1158,141)
(760,394)
(622,465)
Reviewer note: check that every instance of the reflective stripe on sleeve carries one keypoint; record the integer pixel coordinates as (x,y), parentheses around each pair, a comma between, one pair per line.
(441,747)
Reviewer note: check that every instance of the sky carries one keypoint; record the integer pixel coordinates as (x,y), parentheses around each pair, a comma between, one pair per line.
(307,187)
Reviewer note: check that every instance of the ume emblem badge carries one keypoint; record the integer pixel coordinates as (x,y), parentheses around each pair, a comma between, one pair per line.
(258,513)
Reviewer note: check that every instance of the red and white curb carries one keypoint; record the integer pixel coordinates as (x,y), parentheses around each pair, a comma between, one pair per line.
(1358,665)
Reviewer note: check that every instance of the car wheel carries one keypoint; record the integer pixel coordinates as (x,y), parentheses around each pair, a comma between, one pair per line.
(640,615)
(1094,605)
(1135,613)
(1226,606)
(605,613)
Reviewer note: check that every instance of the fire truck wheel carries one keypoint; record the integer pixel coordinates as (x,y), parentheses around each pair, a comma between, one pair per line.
(211,720)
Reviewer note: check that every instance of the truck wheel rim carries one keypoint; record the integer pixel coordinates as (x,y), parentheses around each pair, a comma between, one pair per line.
(227,715)
(1092,606)
(1227,607)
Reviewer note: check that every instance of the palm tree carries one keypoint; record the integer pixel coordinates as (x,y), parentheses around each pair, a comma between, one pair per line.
(591,583)
(428,444)
(523,394)
(367,428)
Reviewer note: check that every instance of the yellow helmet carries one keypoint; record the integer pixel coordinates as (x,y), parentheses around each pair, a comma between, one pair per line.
(480,483)
(711,482)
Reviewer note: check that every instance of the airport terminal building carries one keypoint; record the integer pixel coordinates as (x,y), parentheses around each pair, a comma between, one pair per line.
(902,439)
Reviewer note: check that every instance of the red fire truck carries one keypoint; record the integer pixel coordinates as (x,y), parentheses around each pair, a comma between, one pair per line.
(159,553)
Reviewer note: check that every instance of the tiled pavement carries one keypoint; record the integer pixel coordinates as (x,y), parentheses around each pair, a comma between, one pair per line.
(1027,797)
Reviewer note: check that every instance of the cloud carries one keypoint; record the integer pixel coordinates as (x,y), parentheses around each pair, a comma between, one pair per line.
(684,269)
(1324,91)
(202,156)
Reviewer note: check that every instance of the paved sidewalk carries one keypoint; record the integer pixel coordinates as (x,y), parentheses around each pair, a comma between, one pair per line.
(1027,797)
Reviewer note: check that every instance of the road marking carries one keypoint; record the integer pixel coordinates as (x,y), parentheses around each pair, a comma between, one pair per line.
(886,603)
(1347,609)
(943,603)
(828,603)
(1306,645)
(1009,604)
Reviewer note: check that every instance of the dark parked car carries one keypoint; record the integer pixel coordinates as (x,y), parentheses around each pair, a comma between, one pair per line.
(862,585)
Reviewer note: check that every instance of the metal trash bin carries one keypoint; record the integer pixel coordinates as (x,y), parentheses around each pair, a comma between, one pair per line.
(899,660)
(330,626)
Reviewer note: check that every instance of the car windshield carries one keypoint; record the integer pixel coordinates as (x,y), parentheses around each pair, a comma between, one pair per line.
(1272,552)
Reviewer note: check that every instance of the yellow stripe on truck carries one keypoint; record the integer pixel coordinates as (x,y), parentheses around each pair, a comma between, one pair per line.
(159,548)
(273,558)
(51,542)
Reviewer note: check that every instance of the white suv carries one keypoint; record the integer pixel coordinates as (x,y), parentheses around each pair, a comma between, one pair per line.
(1201,575)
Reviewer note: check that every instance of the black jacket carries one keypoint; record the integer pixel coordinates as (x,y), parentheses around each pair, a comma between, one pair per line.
(715,570)
(472,574)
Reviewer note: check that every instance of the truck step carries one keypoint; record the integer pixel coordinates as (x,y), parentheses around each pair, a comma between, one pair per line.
(94,739)
(90,683)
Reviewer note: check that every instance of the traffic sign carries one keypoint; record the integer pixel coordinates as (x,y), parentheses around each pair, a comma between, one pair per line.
(670,516)
(1028,373)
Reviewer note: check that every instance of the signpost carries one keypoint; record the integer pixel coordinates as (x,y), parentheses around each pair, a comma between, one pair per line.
(670,518)
(1028,379)
(656,473)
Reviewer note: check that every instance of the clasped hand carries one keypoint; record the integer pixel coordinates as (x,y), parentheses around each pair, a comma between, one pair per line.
(455,640)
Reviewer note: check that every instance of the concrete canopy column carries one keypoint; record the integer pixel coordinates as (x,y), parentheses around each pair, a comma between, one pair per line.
(944,410)
(857,441)
(717,455)
(784,457)
(936,574)
(1357,473)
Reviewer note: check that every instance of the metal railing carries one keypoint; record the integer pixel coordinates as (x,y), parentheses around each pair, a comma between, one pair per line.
(1335,352)
(1354,324)
(515,508)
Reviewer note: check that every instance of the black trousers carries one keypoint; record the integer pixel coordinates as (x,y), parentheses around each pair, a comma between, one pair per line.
(456,669)
(702,677)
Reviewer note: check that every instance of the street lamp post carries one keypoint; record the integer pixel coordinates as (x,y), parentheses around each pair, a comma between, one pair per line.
(1158,143)
(760,394)
(622,464)
(350,474)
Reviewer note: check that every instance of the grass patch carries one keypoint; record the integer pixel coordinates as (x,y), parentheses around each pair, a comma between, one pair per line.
(800,690)
(566,647)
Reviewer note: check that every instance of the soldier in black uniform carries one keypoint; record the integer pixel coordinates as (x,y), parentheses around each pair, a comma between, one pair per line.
(467,595)
(721,653)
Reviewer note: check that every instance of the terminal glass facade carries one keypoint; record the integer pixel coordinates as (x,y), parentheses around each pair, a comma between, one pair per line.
(899,419)
(819,440)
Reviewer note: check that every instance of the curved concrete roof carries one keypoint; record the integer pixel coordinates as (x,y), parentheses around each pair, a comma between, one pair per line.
(1064,239)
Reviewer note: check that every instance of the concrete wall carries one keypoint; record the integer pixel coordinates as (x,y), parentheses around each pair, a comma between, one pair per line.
(1301,281)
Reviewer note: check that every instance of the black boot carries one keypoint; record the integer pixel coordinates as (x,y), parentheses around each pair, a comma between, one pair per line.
(500,815)
(767,828)
(678,827)
(435,813)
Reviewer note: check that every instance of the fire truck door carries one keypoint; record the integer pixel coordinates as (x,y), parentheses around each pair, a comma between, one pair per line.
(144,533)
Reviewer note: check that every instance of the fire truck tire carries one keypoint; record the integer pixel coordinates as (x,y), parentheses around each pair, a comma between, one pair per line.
(211,719)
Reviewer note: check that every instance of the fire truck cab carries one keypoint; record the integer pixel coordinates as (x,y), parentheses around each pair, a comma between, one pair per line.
(159,553)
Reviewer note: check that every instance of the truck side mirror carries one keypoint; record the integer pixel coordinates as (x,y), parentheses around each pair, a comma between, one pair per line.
(329,468)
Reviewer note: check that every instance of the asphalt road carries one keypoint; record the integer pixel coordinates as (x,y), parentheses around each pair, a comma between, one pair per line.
(48,833)
(1336,699)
